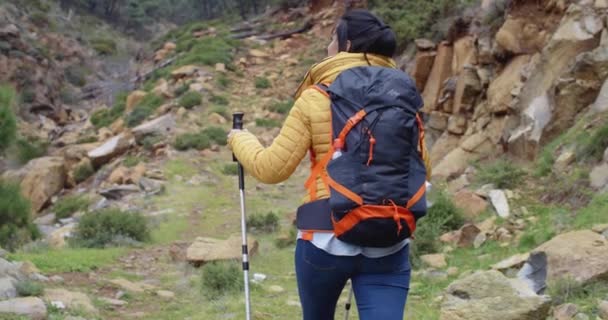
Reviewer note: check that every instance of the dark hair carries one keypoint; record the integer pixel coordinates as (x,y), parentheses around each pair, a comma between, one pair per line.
(366,33)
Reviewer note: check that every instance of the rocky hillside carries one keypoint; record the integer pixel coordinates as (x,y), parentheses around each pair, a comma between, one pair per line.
(135,200)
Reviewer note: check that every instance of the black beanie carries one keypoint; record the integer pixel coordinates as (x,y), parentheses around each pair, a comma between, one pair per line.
(366,33)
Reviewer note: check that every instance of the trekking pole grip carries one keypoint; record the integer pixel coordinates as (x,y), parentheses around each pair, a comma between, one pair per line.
(237,123)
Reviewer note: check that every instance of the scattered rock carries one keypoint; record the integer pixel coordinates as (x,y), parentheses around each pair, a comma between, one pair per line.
(113,302)
(434,260)
(259,277)
(161,126)
(132,286)
(276,289)
(491,295)
(120,175)
(565,311)
(58,237)
(471,204)
(151,186)
(207,249)
(44,178)
(165,294)
(600,228)
(500,203)
(33,308)
(220,67)
(109,150)
(134,99)
(466,235)
(579,255)
(457,124)
(598,177)
(118,192)
(453,271)
(27,268)
(534,272)
(514,262)
(603,309)
(189,71)
(71,300)
(564,160)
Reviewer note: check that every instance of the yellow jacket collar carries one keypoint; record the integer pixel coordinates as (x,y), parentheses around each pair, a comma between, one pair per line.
(328,69)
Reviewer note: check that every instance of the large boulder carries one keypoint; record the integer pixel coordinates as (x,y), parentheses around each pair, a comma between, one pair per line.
(500,91)
(44,178)
(110,149)
(205,250)
(423,63)
(33,308)
(7,288)
(71,300)
(442,69)
(519,36)
(160,126)
(491,295)
(578,255)
(471,204)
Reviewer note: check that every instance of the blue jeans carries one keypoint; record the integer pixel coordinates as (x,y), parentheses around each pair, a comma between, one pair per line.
(380,285)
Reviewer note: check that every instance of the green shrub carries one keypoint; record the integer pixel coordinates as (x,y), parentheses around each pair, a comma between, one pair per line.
(263,223)
(267,123)
(8,121)
(281,107)
(67,206)
(27,149)
(262,83)
(110,227)
(544,164)
(207,51)
(221,100)
(105,117)
(83,171)
(16,227)
(221,110)
(216,135)
(131,161)
(220,278)
(40,19)
(187,141)
(223,81)
(150,141)
(230,169)
(442,216)
(191,99)
(503,174)
(87,139)
(143,110)
(288,240)
(593,147)
(104,46)
(29,288)
(76,75)
(27,95)
(182,89)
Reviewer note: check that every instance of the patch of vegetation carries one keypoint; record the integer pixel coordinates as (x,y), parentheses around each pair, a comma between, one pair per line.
(262,83)
(568,290)
(198,141)
(221,110)
(221,100)
(223,81)
(104,46)
(83,171)
(67,206)
(443,216)
(41,20)
(263,223)
(503,174)
(220,278)
(594,146)
(29,288)
(182,89)
(206,51)
(8,121)
(216,135)
(594,213)
(191,99)
(551,221)
(131,161)
(110,227)
(70,259)
(267,123)
(87,139)
(282,107)
(230,169)
(289,240)
(16,226)
(143,110)
(105,117)
(76,75)
(30,148)
(150,141)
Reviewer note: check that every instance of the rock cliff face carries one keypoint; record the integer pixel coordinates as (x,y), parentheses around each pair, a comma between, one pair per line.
(514,89)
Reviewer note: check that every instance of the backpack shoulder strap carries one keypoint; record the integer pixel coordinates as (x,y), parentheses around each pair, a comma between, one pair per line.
(316,168)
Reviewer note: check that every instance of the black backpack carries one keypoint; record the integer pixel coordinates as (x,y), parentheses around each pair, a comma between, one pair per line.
(374,169)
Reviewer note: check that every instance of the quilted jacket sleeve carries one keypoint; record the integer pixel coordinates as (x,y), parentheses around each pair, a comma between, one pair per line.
(277,162)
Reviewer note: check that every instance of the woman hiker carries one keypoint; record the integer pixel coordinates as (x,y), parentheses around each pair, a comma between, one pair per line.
(380,274)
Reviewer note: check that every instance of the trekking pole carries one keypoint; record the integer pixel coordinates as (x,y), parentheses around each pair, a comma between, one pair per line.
(237,123)
(349,301)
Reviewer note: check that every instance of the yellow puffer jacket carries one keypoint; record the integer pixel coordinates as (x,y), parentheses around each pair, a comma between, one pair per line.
(308,124)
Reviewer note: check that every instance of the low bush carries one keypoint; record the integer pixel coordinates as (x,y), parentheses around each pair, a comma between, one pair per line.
(442,216)
(16,227)
(267,123)
(110,227)
(8,121)
(220,278)
(503,174)
(207,51)
(263,223)
(188,141)
(282,107)
(27,149)
(29,288)
(262,83)
(131,161)
(104,46)
(181,89)
(83,171)
(223,81)
(594,146)
(216,135)
(221,100)
(143,110)
(221,110)
(150,141)
(230,169)
(191,99)
(69,205)
(105,117)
